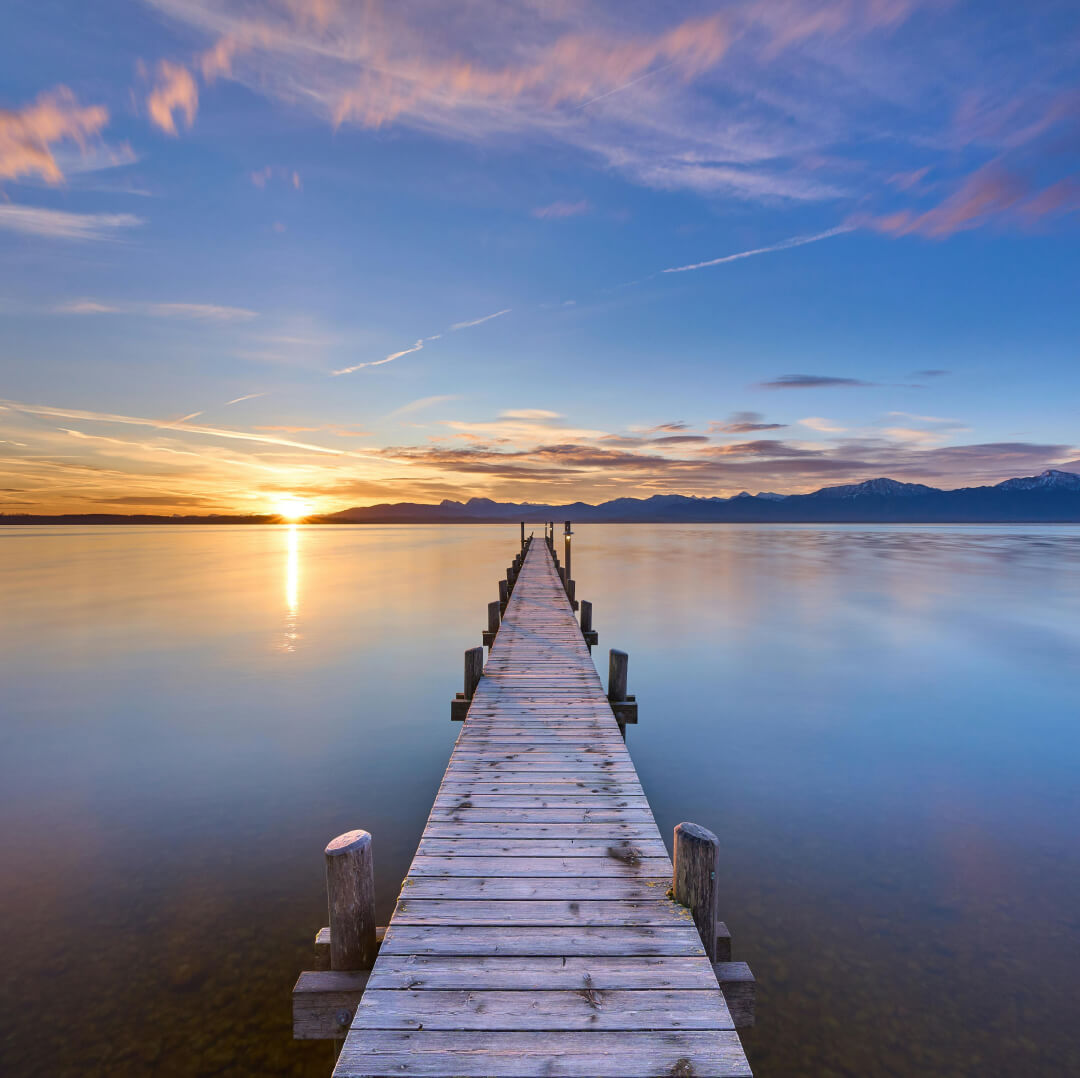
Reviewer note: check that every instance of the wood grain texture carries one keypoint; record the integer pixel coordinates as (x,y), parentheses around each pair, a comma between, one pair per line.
(533,934)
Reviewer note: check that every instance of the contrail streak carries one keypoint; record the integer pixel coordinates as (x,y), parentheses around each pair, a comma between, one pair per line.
(480,321)
(795,241)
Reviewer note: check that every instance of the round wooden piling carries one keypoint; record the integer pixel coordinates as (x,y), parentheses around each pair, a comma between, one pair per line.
(350,899)
(494,616)
(618,663)
(474,670)
(696,863)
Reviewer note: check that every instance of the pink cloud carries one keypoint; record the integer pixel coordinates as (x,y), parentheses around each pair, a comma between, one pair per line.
(989,192)
(574,68)
(27,134)
(175,91)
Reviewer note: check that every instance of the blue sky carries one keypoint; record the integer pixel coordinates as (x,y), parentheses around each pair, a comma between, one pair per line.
(358,252)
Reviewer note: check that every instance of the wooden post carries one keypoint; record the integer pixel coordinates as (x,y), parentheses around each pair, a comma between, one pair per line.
(523,535)
(618,662)
(693,884)
(566,547)
(493,622)
(586,616)
(504,594)
(474,670)
(350,894)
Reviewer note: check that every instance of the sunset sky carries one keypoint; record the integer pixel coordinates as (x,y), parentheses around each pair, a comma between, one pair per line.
(353,251)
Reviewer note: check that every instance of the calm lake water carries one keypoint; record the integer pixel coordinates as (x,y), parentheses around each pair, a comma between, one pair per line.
(879,722)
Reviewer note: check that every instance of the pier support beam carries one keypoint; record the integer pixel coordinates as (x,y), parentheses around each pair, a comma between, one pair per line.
(474,671)
(587,631)
(693,884)
(624,706)
(494,621)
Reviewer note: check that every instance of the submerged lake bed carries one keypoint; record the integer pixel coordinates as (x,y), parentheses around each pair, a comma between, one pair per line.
(878,721)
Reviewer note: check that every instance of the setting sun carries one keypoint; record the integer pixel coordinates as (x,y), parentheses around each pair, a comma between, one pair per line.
(292,508)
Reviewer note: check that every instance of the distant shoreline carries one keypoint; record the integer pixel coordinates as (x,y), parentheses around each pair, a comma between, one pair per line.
(94,520)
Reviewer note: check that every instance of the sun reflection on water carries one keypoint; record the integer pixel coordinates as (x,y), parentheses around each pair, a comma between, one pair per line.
(292,588)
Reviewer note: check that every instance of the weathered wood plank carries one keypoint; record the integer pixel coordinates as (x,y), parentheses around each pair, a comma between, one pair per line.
(669,939)
(562,888)
(610,865)
(584,1008)
(472,972)
(532,913)
(562,1054)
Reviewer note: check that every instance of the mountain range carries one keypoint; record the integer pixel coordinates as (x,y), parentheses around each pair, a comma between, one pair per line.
(1052,496)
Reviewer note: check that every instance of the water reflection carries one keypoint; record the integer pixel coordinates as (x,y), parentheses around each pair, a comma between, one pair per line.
(292,588)
(884,731)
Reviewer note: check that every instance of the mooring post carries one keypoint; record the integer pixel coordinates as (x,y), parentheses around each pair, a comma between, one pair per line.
(622,704)
(350,899)
(618,664)
(474,670)
(693,882)
(504,594)
(494,621)
(587,630)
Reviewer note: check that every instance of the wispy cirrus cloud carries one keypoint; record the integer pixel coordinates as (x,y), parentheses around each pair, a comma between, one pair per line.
(421,403)
(713,101)
(65,225)
(199,312)
(175,426)
(561,209)
(28,135)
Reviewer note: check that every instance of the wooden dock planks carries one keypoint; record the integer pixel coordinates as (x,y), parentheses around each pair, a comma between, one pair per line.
(533,935)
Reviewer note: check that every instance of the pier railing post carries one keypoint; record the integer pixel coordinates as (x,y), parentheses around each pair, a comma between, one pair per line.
(693,884)
(350,897)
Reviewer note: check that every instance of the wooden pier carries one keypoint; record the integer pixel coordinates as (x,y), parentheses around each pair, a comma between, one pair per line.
(535,933)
